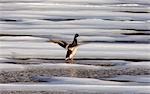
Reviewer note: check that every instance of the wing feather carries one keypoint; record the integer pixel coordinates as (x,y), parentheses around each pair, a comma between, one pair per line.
(60,42)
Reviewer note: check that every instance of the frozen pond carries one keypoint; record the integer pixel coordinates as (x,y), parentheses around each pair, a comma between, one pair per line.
(113,58)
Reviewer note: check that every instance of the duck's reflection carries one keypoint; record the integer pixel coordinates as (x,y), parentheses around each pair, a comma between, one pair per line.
(72,70)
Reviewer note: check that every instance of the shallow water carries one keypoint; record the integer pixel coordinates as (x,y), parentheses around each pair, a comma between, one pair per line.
(114,38)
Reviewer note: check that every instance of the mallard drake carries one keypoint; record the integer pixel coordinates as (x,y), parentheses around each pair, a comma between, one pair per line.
(71,48)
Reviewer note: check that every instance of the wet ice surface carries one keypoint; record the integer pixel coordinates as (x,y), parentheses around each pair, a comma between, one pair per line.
(114,55)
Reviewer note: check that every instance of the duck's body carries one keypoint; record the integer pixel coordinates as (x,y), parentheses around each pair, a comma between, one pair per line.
(71,52)
(71,48)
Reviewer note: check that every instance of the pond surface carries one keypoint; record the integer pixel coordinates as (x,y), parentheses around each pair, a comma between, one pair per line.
(114,50)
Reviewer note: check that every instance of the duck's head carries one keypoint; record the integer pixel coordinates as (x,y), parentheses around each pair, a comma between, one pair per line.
(76,35)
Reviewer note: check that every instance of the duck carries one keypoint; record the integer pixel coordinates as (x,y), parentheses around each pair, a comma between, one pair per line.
(71,48)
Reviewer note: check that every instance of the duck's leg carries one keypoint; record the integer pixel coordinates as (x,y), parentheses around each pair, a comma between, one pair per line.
(68,61)
(72,61)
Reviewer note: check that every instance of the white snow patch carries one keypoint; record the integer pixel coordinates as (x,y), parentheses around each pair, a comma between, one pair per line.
(138,78)
(77,88)
(11,67)
(78,81)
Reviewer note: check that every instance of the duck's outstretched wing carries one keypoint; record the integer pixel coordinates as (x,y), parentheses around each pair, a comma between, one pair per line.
(60,42)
